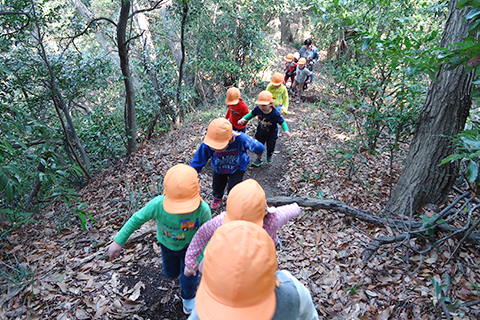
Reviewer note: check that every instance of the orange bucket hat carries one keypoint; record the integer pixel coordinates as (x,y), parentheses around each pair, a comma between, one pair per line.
(264,97)
(219,133)
(233,96)
(182,191)
(302,61)
(289,57)
(277,79)
(238,280)
(246,201)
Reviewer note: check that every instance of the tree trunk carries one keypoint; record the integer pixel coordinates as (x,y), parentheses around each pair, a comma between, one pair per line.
(130,116)
(149,57)
(286,35)
(443,115)
(102,40)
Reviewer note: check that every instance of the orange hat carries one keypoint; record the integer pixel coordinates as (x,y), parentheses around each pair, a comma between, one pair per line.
(264,97)
(289,57)
(246,201)
(233,96)
(238,280)
(277,79)
(182,191)
(219,133)
(302,61)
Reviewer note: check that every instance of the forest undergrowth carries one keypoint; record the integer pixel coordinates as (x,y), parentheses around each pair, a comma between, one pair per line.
(54,270)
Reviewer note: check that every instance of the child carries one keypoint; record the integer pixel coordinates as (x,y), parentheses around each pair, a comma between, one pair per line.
(279,92)
(290,69)
(237,108)
(300,78)
(228,150)
(246,201)
(240,279)
(267,130)
(179,213)
(296,56)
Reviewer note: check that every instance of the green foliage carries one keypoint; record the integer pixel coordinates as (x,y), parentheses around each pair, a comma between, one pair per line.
(439,298)
(467,146)
(388,48)
(14,272)
(231,45)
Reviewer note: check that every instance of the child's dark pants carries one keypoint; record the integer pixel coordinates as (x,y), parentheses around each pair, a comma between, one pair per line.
(173,266)
(220,181)
(271,142)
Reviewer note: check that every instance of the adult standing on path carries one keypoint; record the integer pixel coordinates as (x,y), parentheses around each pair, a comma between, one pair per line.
(310,53)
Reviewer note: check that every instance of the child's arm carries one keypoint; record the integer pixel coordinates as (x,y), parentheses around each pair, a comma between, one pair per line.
(285,102)
(287,212)
(200,239)
(254,145)
(246,118)
(135,222)
(201,157)
(285,128)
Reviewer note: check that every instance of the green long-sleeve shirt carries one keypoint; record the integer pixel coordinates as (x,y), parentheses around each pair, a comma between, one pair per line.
(174,231)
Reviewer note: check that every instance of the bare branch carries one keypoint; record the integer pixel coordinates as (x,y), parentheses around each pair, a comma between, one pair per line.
(147,9)
(6,13)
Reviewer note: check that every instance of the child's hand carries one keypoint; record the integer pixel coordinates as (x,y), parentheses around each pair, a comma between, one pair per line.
(288,134)
(114,250)
(242,121)
(191,271)
(284,111)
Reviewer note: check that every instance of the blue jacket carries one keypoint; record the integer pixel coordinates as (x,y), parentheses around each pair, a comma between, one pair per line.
(234,158)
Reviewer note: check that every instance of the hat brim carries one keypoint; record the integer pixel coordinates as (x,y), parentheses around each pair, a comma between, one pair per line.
(276,84)
(231,101)
(289,60)
(181,207)
(208,308)
(219,145)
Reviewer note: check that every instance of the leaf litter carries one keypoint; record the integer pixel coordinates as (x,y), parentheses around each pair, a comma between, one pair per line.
(65,274)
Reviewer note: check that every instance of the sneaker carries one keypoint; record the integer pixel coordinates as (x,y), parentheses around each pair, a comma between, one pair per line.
(258,162)
(297,101)
(269,159)
(188,305)
(216,203)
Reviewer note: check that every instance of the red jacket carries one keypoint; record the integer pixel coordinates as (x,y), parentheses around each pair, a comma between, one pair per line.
(236,112)
(290,67)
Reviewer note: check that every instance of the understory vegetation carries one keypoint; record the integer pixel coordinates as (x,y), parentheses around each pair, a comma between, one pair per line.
(75,104)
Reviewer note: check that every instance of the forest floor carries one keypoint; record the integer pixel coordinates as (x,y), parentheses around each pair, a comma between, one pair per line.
(54,270)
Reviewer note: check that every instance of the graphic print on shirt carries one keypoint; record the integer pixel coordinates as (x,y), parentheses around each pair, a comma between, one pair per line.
(188,225)
(174,236)
(226,162)
(264,124)
(235,112)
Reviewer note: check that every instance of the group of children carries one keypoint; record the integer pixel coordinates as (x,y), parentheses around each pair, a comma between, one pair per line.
(239,279)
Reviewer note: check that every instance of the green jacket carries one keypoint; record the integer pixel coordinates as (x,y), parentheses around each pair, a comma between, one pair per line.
(174,231)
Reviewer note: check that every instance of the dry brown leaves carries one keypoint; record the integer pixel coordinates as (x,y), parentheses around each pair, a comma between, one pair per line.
(73,279)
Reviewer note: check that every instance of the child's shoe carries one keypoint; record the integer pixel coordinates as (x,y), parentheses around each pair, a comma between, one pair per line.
(188,305)
(297,101)
(258,162)
(270,159)
(216,203)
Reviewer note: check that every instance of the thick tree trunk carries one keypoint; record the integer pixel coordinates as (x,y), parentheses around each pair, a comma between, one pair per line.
(130,116)
(443,116)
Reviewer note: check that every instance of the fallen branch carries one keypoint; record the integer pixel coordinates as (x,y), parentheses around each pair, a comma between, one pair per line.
(341,207)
